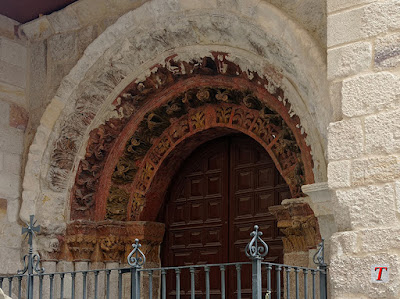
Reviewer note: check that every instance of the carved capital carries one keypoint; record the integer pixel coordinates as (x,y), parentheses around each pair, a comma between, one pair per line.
(110,240)
(112,247)
(299,225)
(81,246)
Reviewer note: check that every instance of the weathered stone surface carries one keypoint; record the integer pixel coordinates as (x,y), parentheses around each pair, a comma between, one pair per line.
(375,170)
(382,132)
(378,240)
(9,185)
(381,16)
(369,93)
(18,117)
(339,174)
(349,59)
(334,5)
(10,251)
(345,27)
(64,20)
(13,94)
(62,47)
(397,190)
(85,37)
(13,53)
(345,139)
(52,113)
(335,95)
(311,14)
(56,72)
(37,29)
(365,207)
(7,28)
(4,113)
(38,66)
(13,75)
(12,163)
(356,282)
(3,207)
(13,206)
(387,51)
(362,22)
(11,140)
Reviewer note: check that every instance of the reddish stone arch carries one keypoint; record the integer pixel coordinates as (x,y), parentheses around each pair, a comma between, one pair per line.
(162,119)
(112,157)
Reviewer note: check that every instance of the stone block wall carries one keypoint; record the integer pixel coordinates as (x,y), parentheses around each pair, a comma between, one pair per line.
(364,148)
(13,123)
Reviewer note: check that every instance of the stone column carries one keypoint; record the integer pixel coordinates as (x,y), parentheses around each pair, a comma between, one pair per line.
(79,266)
(66,266)
(49,267)
(113,278)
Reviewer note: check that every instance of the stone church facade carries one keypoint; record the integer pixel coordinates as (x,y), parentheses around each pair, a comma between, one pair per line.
(103,101)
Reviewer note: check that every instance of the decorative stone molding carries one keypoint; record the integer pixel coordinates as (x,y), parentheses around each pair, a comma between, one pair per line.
(320,200)
(168,107)
(113,59)
(298,223)
(109,241)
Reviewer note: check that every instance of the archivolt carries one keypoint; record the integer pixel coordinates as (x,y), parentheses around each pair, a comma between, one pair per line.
(158,113)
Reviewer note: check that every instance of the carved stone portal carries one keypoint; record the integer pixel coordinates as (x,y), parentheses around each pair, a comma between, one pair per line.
(172,105)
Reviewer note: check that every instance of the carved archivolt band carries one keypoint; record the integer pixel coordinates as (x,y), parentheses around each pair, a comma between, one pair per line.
(171,109)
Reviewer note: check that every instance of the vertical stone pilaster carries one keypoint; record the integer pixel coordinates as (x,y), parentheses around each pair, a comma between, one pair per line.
(113,279)
(80,266)
(66,266)
(49,267)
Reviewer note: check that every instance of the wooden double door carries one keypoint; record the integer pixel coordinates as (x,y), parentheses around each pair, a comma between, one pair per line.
(222,190)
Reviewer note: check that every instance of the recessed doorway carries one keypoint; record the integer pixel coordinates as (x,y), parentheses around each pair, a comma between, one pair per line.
(221,191)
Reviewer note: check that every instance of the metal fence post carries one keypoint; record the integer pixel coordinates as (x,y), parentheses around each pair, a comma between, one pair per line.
(30,261)
(256,249)
(136,260)
(319,259)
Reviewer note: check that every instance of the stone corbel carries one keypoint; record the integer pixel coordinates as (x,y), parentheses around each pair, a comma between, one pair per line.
(320,199)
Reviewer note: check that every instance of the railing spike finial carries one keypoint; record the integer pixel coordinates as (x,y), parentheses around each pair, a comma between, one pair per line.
(319,256)
(256,248)
(136,258)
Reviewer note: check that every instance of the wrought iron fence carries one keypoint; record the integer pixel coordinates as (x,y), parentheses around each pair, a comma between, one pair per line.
(136,281)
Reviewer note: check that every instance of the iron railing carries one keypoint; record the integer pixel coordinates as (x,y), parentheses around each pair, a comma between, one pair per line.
(136,281)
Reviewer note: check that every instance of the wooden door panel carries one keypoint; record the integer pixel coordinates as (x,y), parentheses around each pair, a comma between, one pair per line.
(223,189)
(214,184)
(243,206)
(263,200)
(195,186)
(214,212)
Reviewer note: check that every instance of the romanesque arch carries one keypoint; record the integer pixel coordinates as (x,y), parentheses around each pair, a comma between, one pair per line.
(84,165)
